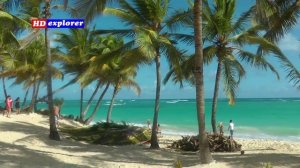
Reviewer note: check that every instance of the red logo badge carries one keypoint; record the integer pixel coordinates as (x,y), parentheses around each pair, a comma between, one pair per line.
(39,23)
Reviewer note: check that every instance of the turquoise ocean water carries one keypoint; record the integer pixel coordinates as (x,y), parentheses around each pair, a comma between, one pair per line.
(253,118)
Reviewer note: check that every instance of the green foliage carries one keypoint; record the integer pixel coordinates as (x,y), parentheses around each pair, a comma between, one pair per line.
(58,101)
(109,134)
(274,19)
(112,125)
(28,65)
(178,164)
(267,165)
(225,39)
(140,137)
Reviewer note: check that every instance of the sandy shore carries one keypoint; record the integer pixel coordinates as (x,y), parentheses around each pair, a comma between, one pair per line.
(24,143)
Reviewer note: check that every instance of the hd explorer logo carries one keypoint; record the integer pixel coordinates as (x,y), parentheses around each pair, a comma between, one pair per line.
(57,23)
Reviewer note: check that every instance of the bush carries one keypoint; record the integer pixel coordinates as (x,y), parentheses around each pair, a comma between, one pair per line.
(178,163)
(217,143)
(58,101)
(109,134)
(268,165)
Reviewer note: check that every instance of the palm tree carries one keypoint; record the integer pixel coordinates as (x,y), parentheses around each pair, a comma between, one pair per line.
(83,59)
(205,155)
(9,24)
(53,129)
(79,44)
(225,40)
(107,63)
(28,67)
(225,44)
(275,19)
(25,99)
(89,9)
(35,62)
(121,77)
(95,7)
(148,23)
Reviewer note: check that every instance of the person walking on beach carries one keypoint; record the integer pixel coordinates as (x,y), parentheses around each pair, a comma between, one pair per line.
(9,104)
(231,128)
(17,105)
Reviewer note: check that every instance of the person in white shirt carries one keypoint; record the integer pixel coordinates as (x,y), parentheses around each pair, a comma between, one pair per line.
(231,128)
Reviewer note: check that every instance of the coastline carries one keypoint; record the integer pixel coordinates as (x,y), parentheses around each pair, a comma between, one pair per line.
(274,119)
(24,142)
(238,134)
(248,137)
(252,144)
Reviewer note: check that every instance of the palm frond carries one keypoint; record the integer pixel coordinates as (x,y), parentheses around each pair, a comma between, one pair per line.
(89,9)
(236,66)
(179,19)
(240,24)
(129,17)
(132,85)
(185,38)
(230,83)
(209,53)
(283,24)
(120,33)
(257,61)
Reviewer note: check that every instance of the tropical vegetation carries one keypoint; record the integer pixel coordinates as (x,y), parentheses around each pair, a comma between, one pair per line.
(149,22)
(112,58)
(226,41)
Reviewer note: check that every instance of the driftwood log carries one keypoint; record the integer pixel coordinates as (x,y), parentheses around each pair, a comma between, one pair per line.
(217,143)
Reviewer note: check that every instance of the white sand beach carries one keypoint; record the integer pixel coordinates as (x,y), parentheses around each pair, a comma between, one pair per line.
(24,143)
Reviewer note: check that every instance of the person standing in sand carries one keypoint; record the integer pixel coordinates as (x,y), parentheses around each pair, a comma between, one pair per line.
(56,115)
(231,128)
(9,104)
(221,128)
(148,124)
(17,105)
(158,130)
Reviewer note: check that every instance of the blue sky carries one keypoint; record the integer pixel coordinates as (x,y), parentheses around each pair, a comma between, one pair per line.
(256,84)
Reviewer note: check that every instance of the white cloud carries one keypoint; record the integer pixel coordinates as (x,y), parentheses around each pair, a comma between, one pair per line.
(290,42)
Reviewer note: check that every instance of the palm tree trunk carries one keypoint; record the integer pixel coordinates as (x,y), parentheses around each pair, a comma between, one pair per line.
(4,87)
(53,129)
(154,140)
(205,155)
(31,108)
(91,99)
(90,119)
(36,95)
(81,117)
(25,98)
(215,98)
(108,117)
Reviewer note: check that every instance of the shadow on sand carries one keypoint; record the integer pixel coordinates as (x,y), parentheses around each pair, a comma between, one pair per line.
(20,154)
